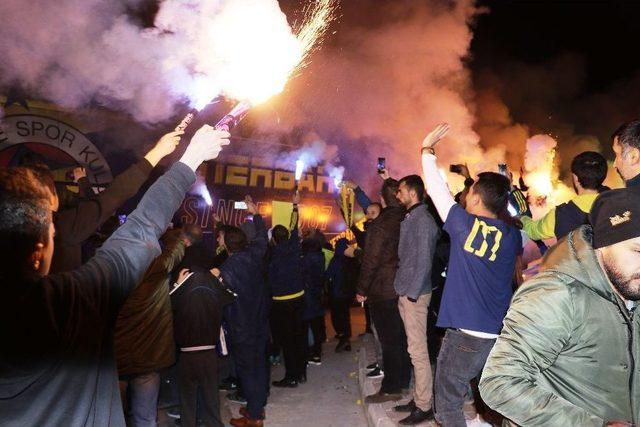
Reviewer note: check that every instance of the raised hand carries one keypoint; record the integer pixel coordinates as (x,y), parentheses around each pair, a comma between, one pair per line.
(384,174)
(350,184)
(79,173)
(252,209)
(165,146)
(183,275)
(435,135)
(206,144)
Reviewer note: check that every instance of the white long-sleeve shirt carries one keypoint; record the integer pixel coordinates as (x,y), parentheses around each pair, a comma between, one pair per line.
(436,186)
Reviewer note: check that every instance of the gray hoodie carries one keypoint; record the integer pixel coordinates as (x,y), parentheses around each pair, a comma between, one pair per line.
(418,236)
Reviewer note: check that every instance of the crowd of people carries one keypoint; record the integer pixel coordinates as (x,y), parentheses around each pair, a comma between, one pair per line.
(86,341)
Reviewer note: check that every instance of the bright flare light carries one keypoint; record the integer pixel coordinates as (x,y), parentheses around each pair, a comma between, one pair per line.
(251,51)
(299,169)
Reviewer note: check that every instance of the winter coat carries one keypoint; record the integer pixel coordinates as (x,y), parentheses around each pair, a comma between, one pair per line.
(243,272)
(566,354)
(285,270)
(380,258)
(313,277)
(339,274)
(144,328)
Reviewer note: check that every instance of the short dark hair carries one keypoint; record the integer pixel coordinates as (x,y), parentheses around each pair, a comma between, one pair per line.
(44,174)
(25,216)
(193,232)
(389,190)
(628,134)
(280,234)
(376,204)
(590,168)
(415,183)
(234,238)
(493,189)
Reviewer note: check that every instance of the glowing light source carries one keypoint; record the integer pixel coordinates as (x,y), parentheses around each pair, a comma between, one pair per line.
(299,169)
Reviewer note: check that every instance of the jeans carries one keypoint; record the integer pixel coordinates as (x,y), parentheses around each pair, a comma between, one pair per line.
(461,359)
(250,357)
(290,332)
(319,335)
(143,395)
(395,357)
(199,370)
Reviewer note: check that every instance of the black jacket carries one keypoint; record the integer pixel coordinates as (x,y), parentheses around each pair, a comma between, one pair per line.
(197,306)
(77,223)
(380,257)
(243,272)
(57,365)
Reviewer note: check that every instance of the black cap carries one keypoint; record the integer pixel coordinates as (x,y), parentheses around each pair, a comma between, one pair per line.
(615,217)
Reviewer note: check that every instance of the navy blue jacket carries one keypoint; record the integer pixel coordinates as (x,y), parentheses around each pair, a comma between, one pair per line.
(339,273)
(243,272)
(313,276)
(285,268)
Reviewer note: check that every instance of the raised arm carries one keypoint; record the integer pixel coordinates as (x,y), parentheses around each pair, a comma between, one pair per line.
(75,225)
(436,186)
(258,246)
(119,264)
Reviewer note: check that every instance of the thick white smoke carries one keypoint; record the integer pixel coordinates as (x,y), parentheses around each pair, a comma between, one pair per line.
(76,52)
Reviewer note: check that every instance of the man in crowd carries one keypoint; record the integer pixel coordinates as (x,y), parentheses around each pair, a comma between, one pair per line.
(418,237)
(144,342)
(375,285)
(588,172)
(568,351)
(247,316)
(198,299)
(287,293)
(77,222)
(479,279)
(626,146)
(57,330)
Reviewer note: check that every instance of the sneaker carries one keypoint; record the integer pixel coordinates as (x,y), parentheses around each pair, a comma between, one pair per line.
(372,366)
(376,373)
(407,407)
(417,416)
(236,398)
(285,383)
(174,413)
(315,360)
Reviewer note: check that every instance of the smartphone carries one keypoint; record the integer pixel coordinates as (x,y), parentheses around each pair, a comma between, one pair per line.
(382,164)
(455,168)
(502,169)
(240,205)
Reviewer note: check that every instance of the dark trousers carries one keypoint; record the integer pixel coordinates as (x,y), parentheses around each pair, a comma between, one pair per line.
(319,334)
(395,356)
(250,357)
(199,369)
(367,318)
(461,359)
(290,332)
(341,316)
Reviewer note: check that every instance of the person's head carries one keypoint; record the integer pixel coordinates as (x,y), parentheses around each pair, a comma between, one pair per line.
(191,234)
(373,211)
(44,174)
(615,219)
(410,191)
(588,170)
(26,226)
(626,146)
(232,239)
(279,234)
(489,195)
(388,193)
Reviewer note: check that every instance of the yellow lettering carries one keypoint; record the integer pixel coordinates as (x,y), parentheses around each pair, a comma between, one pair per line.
(283,180)
(307,182)
(237,175)
(485,229)
(322,181)
(256,173)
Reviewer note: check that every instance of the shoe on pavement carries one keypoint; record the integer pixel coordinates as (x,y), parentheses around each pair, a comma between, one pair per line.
(229,384)
(376,373)
(372,366)
(285,382)
(174,413)
(302,379)
(246,422)
(315,360)
(381,397)
(236,398)
(417,416)
(245,413)
(407,407)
